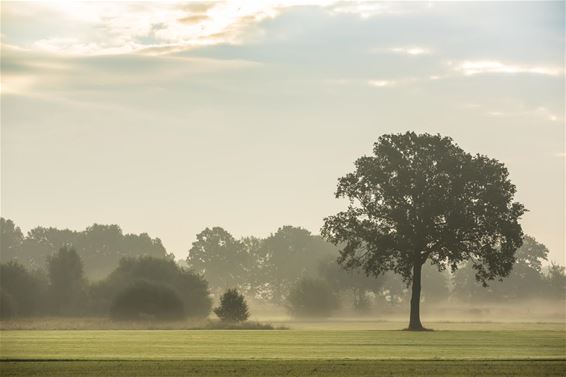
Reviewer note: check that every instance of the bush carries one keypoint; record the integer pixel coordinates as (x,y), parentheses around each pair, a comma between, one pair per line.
(191,288)
(147,300)
(312,298)
(233,307)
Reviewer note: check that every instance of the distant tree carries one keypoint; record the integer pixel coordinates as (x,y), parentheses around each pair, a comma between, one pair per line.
(289,254)
(67,285)
(23,290)
(40,243)
(257,279)
(100,247)
(147,300)
(11,240)
(190,287)
(103,246)
(435,284)
(422,198)
(218,256)
(355,283)
(526,280)
(555,282)
(233,307)
(312,298)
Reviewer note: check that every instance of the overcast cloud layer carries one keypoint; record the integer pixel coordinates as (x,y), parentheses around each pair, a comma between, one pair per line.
(171,117)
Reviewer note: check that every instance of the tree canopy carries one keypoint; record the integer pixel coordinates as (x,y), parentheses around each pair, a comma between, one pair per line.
(218,256)
(100,246)
(421,197)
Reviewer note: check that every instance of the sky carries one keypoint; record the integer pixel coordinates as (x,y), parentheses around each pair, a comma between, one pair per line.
(170,117)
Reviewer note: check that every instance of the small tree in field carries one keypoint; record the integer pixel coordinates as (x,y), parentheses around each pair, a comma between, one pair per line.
(422,198)
(233,307)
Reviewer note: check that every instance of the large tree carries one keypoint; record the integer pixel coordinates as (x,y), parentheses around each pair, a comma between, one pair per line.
(220,257)
(420,198)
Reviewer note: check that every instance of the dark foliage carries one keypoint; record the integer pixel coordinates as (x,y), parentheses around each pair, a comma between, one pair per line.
(147,300)
(233,307)
(190,287)
(422,198)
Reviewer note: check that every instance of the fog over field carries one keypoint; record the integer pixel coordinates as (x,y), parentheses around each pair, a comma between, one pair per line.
(282,188)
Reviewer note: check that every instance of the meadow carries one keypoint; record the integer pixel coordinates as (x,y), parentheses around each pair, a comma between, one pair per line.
(341,349)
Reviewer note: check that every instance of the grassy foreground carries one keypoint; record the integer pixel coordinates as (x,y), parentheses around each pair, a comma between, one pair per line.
(322,368)
(281,344)
(528,351)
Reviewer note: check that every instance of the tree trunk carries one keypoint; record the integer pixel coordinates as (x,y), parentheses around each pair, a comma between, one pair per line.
(415,319)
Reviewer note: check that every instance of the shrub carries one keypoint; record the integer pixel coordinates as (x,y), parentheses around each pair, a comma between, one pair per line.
(312,298)
(191,288)
(233,307)
(147,300)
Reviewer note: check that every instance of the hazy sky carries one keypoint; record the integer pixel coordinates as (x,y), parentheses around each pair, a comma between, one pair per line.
(168,118)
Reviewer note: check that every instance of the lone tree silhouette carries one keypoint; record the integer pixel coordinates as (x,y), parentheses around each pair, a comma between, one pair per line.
(421,198)
(233,307)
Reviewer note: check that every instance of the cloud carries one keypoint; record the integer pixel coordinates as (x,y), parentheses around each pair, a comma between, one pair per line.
(125,27)
(477,67)
(367,9)
(539,112)
(382,83)
(25,72)
(194,19)
(413,51)
(516,110)
(102,28)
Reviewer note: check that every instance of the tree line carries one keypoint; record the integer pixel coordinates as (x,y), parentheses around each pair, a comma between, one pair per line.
(291,268)
(100,247)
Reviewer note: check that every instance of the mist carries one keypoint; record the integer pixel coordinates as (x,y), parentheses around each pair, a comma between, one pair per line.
(291,276)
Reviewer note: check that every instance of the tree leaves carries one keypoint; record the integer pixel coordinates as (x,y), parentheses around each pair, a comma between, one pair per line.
(421,197)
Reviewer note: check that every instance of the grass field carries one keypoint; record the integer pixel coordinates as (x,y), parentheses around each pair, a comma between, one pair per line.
(452,350)
(320,368)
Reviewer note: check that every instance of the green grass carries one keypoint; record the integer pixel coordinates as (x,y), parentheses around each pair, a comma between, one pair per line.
(452,350)
(320,368)
(281,344)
